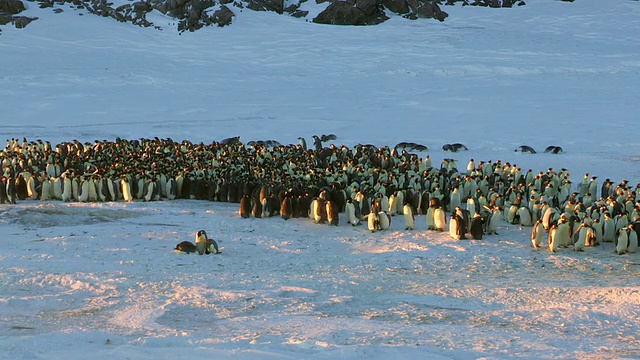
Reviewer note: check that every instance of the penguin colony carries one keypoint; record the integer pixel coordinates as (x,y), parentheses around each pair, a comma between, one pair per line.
(367,184)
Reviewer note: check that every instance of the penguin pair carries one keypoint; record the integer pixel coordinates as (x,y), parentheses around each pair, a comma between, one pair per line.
(203,245)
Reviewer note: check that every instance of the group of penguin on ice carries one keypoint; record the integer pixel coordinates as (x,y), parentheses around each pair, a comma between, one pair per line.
(366,183)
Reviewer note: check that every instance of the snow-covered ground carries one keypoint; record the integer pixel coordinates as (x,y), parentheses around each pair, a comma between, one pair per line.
(102,279)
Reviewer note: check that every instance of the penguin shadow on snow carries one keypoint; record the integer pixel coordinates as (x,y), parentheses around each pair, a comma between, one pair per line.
(203,245)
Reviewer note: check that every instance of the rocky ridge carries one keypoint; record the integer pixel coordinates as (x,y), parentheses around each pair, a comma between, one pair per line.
(192,15)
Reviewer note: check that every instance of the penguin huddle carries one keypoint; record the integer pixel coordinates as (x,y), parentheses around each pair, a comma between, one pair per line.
(367,184)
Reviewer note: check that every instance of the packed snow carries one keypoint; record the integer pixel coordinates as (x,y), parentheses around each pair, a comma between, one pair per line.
(103,279)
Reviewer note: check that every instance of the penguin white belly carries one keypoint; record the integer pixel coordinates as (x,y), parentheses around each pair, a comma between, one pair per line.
(392,205)
(45,190)
(454,228)
(126,190)
(431,224)
(385,220)
(581,239)
(373,222)
(494,222)
(622,242)
(83,195)
(525,216)
(350,212)
(409,220)
(67,189)
(537,234)
(93,192)
(439,219)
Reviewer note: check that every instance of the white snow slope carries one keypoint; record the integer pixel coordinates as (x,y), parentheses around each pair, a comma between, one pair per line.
(102,281)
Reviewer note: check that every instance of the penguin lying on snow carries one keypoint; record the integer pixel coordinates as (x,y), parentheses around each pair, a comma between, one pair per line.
(553,149)
(203,245)
(525,149)
(454,147)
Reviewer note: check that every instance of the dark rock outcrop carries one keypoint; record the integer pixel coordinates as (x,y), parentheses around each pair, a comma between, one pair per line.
(11,7)
(223,16)
(266,5)
(358,12)
(192,15)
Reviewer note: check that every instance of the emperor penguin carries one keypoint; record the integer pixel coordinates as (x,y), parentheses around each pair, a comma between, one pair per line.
(431,224)
(598,230)
(245,206)
(409,217)
(400,201)
(150,190)
(186,247)
(201,241)
(552,239)
(303,143)
(384,220)
(172,188)
(317,143)
(318,211)
(332,212)
(126,189)
(550,216)
(561,236)
(622,241)
(32,193)
(580,237)
(286,207)
(608,228)
(477,227)
(204,245)
(494,221)
(45,189)
(67,188)
(456,226)
(537,234)
(439,219)
(373,221)
(455,199)
(391,210)
(384,202)
(56,188)
(83,190)
(632,247)
(510,214)
(621,220)
(525,215)
(350,213)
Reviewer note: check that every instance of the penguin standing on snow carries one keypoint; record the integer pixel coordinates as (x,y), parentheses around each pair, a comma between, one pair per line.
(456,226)
(384,220)
(439,219)
(350,213)
(245,206)
(494,221)
(621,241)
(477,227)
(537,234)
(409,217)
(373,220)
(332,213)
